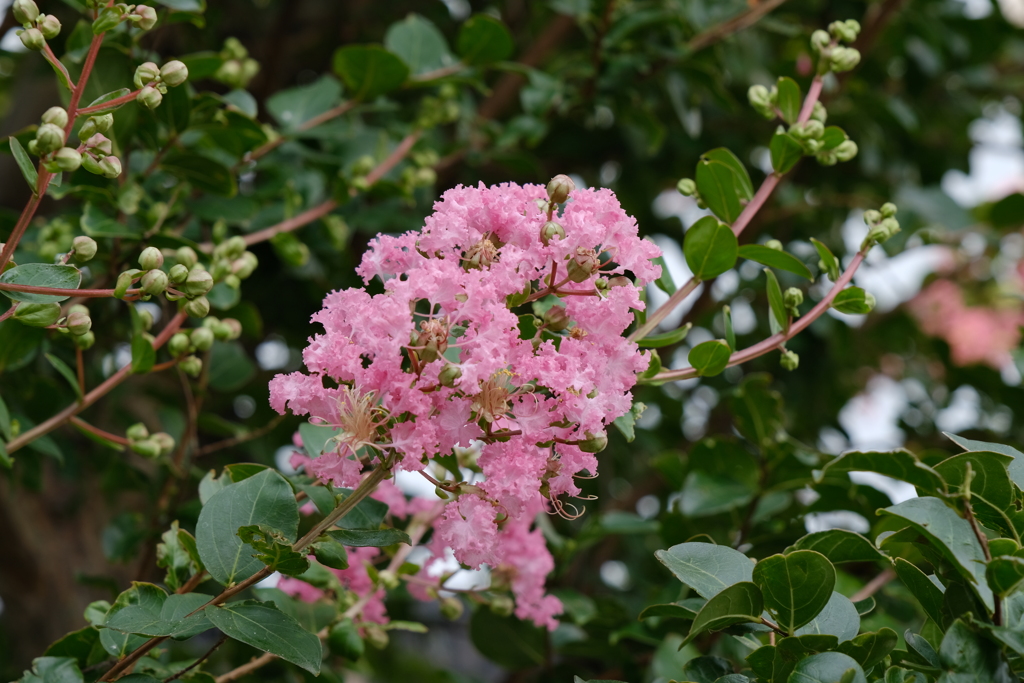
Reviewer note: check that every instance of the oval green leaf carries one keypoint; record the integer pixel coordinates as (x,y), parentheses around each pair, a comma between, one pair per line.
(25,165)
(419,43)
(785,151)
(484,40)
(710,358)
(719,187)
(267,628)
(827,667)
(369,71)
(705,567)
(41,275)
(790,99)
(774,258)
(839,546)
(839,619)
(739,603)
(796,587)
(665,339)
(779,318)
(710,248)
(854,300)
(828,259)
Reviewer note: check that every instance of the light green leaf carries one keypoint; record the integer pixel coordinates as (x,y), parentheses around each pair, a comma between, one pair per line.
(706,568)
(665,283)
(796,587)
(368,514)
(484,40)
(839,619)
(785,151)
(706,493)
(739,603)
(627,423)
(828,259)
(827,667)
(25,165)
(41,275)
(710,248)
(790,99)
(833,137)
(767,256)
(965,652)
(65,372)
(53,670)
(369,538)
(267,628)
(657,341)
(854,301)
(369,71)
(719,187)
(901,464)
(839,546)
(419,43)
(779,317)
(710,358)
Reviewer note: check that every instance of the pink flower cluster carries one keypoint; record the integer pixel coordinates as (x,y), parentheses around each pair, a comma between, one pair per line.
(496,327)
(975,334)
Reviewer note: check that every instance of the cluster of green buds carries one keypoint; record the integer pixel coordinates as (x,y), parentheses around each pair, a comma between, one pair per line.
(440,109)
(237,67)
(48,144)
(558,190)
(836,57)
(109,17)
(791,299)
(36,28)
(829,146)
(231,262)
(148,445)
(421,173)
(185,344)
(882,224)
(78,325)
(97,151)
(54,238)
(153,81)
(790,360)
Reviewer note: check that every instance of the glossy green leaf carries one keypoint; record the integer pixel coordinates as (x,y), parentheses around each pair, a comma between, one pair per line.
(143,353)
(484,40)
(870,648)
(419,43)
(710,358)
(831,264)
(41,275)
(839,546)
(65,372)
(790,99)
(707,568)
(1015,469)
(839,619)
(1005,575)
(785,151)
(774,258)
(273,550)
(900,464)
(265,498)
(53,670)
(684,609)
(779,316)
(853,301)
(665,283)
(25,165)
(796,587)
(719,187)
(710,248)
(828,667)
(658,341)
(201,172)
(369,538)
(927,593)
(723,155)
(739,603)
(369,71)
(267,628)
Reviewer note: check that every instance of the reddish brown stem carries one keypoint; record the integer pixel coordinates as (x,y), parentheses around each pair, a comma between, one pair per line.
(103,434)
(341,109)
(80,367)
(109,104)
(61,291)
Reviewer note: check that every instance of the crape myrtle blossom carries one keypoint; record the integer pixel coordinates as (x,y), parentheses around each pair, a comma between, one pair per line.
(501,322)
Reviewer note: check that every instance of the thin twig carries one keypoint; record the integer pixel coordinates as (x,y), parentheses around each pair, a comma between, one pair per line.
(102,433)
(725,29)
(874,585)
(198,661)
(242,438)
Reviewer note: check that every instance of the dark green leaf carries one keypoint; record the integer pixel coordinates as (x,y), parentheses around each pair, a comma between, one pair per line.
(831,265)
(143,353)
(963,651)
(666,338)
(344,640)
(725,156)
(368,514)
(267,628)
(41,275)
(720,189)
(796,587)
(705,669)
(839,546)
(367,538)
(833,137)
(901,464)
(25,165)
(839,619)
(854,301)
(779,316)
(53,670)
(710,248)
(65,372)
(230,366)
(739,603)
(369,71)
(419,43)
(992,493)
(665,283)
(484,40)
(176,552)
(706,568)
(169,619)
(707,493)
(1005,575)
(827,667)
(710,358)
(5,419)
(103,99)
(767,256)
(790,99)
(730,334)
(330,553)
(201,172)
(785,151)
(273,550)
(265,498)
(870,648)
(83,646)
(1016,468)
(95,223)
(790,650)
(685,609)
(294,107)
(512,643)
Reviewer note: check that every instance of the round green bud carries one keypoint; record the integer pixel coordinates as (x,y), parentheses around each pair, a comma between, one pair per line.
(78,308)
(219,269)
(759,96)
(232,281)
(198,307)
(154,282)
(846,150)
(687,187)
(202,338)
(843,58)
(232,248)
(78,323)
(890,225)
(792,297)
(37,315)
(594,443)
(144,17)
(234,327)
(871,216)
(67,159)
(32,38)
(149,97)
(177,273)
(146,448)
(774,244)
(198,282)
(164,440)
(244,266)
(85,341)
(819,113)
(583,264)
(888,210)
(230,72)
(559,188)
(145,74)
(502,605)
(85,248)
(110,167)
(449,375)
(96,125)
(179,344)
(146,320)
(790,360)
(48,25)
(551,230)
(124,281)
(186,256)
(100,144)
(221,331)
(250,67)
(845,31)
(376,636)
(191,366)
(137,432)
(555,318)
(174,73)
(31,147)
(151,258)
(820,40)
(58,116)
(49,138)
(452,608)
(25,11)
(809,130)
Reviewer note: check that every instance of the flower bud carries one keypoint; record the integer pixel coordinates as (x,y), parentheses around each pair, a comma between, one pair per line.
(145,74)
(96,125)
(846,150)
(151,258)
(25,11)
(144,17)
(137,432)
(480,255)
(502,605)
(559,188)
(37,315)
(67,159)
(871,217)
(85,248)
(186,256)
(219,269)
(174,73)
(594,443)
(820,40)
(452,608)
(145,320)
(551,230)
(78,323)
(109,18)
(149,97)
(49,138)
(888,210)
(583,264)
(845,31)
(146,448)
(191,366)
(244,266)
(229,72)
(819,113)
(202,338)
(198,307)
(85,341)
(49,26)
(197,283)
(449,375)
(555,318)
(250,67)
(179,344)
(31,147)
(376,636)
(100,144)
(32,38)
(792,298)
(844,58)
(164,440)
(774,244)
(809,130)
(762,100)
(234,328)
(687,187)
(58,116)
(124,281)
(154,282)
(789,361)
(110,167)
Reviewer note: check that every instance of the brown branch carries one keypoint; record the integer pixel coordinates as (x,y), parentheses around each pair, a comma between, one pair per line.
(103,434)
(266,148)
(242,438)
(874,585)
(725,29)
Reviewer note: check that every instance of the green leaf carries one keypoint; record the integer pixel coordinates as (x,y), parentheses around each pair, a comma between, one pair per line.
(41,275)
(739,603)
(790,99)
(25,165)
(295,106)
(796,587)
(83,646)
(657,341)
(870,648)
(767,256)
(710,248)
(707,568)
(203,173)
(368,514)
(627,423)
(1016,468)
(143,353)
(730,334)
(922,648)
(1005,575)
(839,546)
(510,642)
(330,553)
(113,95)
(839,619)
(827,258)
(265,498)
(95,223)
(964,652)
(901,464)
(6,460)
(369,71)
(484,40)
(785,151)
(665,283)
(369,538)
(176,552)
(267,628)
(66,372)
(992,493)
(720,189)
(168,619)
(779,318)
(53,670)
(230,366)
(723,155)
(789,651)
(853,300)
(273,550)
(710,358)
(684,609)
(344,640)
(5,419)
(706,493)
(827,667)
(707,669)
(833,137)
(951,535)
(419,43)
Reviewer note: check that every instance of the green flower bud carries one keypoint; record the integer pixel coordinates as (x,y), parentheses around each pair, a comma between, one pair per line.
(48,25)
(230,72)
(687,187)
(559,188)
(774,244)
(179,344)
(191,366)
(177,273)
(151,258)
(31,147)
(32,38)
(197,283)
(110,167)
(221,332)
(888,210)
(186,256)
(137,432)
(846,150)
(449,375)
(149,97)
(49,138)
(100,144)
(96,125)
(67,159)
(144,17)
(109,18)
(791,299)
(84,341)
(594,443)
(250,67)
(762,100)
(820,40)
(219,269)
(145,320)
(78,323)
(502,605)
(790,361)
(174,73)
(376,636)
(198,307)
(845,31)
(202,338)
(819,113)
(37,315)
(154,282)
(124,282)
(872,217)
(146,448)
(452,608)
(232,281)
(234,327)
(551,230)
(843,58)
(145,74)
(555,318)
(85,248)
(809,130)
(58,116)
(583,264)
(164,440)
(25,11)
(232,248)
